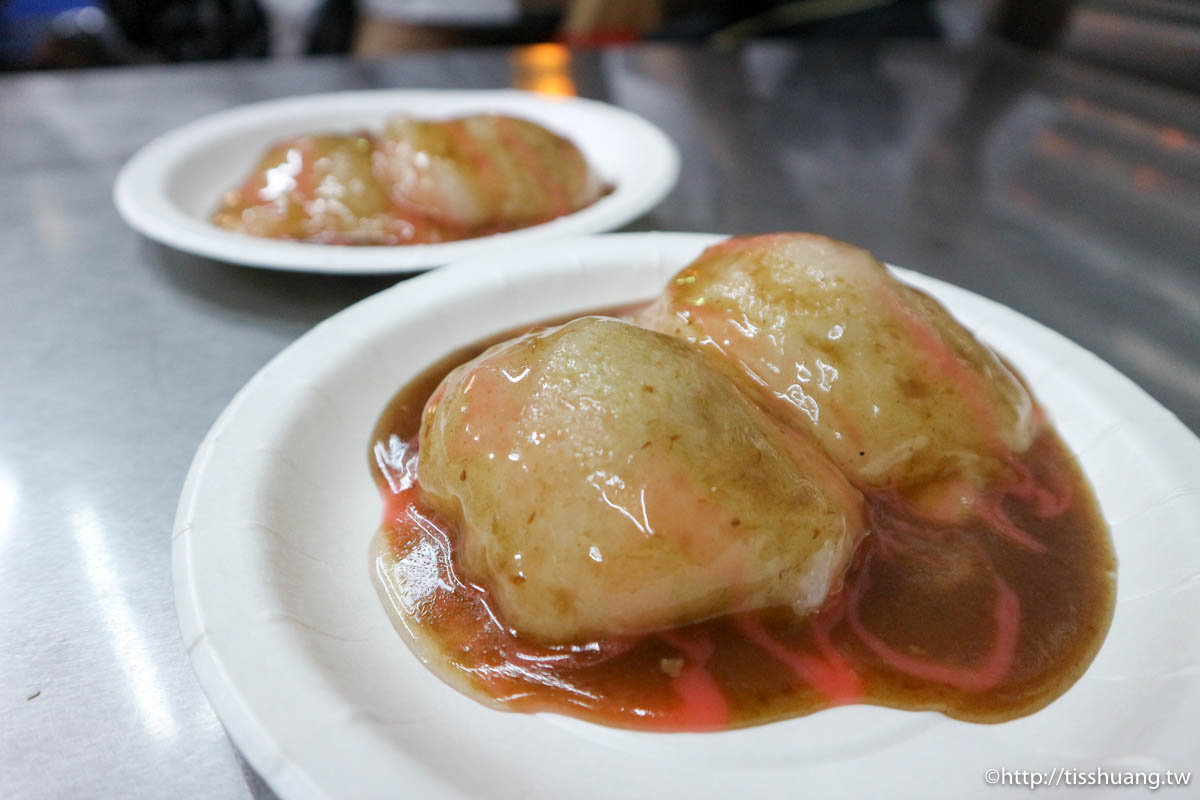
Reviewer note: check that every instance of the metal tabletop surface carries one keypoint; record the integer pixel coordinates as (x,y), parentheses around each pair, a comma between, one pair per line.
(1070,194)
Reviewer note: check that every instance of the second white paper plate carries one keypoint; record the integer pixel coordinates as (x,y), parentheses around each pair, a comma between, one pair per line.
(171,187)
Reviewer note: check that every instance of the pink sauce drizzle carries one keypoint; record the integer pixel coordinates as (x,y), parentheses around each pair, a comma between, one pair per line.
(831,675)
(554,192)
(1047,501)
(703,704)
(952,368)
(939,356)
(485,166)
(1006,616)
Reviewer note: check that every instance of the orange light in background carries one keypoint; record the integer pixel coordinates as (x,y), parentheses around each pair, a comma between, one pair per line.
(546,56)
(543,68)
(1167,137)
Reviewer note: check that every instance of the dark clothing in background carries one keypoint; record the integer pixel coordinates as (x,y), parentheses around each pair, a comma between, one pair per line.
(193,30)
(899,18)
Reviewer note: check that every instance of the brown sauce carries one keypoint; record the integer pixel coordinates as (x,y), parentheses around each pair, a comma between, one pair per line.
(985,620)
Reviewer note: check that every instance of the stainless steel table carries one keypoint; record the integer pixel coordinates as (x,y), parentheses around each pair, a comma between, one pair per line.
(1070,194)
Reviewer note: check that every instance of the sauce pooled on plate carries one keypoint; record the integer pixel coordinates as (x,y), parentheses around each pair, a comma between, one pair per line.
(985,612)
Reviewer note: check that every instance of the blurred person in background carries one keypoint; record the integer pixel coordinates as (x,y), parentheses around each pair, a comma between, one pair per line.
(1156,39)
(193,30)
(384,26)
(75,32)
(55,34)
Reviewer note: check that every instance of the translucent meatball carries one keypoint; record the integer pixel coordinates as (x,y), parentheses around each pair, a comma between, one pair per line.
(485,171)
(898,392)
(314,188)
(607,479)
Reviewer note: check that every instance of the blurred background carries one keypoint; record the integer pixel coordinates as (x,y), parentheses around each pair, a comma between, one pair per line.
(1158,40)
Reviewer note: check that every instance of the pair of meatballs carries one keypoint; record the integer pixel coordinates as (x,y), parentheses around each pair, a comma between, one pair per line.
(614,477)
(420,181)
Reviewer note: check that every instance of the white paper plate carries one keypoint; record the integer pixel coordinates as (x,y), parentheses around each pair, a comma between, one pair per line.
(325,700)
(169,189)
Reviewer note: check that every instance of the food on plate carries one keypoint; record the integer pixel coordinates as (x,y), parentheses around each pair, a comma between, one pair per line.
(610,480)
(631,517)
(421,181)
(315,188)
(484,172)
(895,389)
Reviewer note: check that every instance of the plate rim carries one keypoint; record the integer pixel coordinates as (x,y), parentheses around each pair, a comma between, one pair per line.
(137,188)
(250,734)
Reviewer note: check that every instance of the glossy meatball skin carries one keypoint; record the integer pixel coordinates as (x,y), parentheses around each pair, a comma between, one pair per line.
(485,171)
(898,393)
(606,479)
